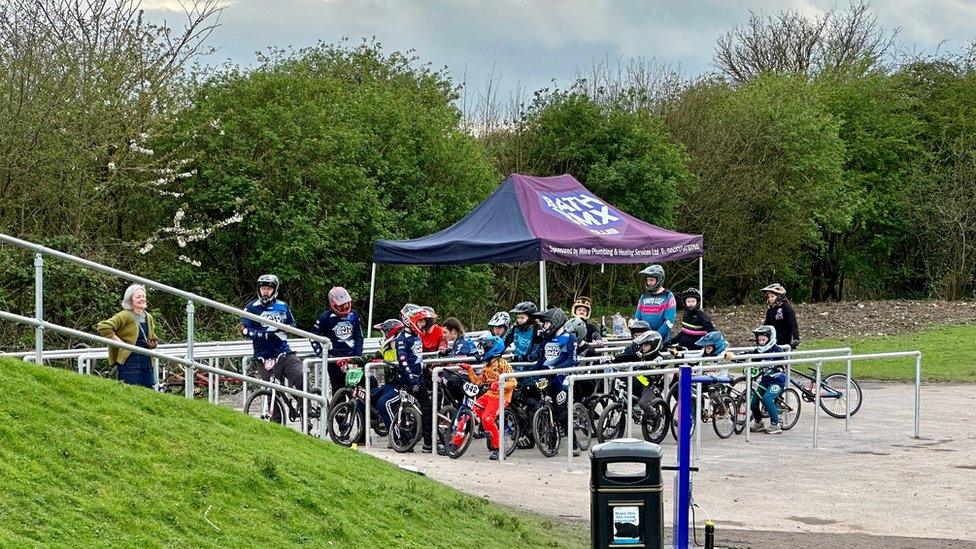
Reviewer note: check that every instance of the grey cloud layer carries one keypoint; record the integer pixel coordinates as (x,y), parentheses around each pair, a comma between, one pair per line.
(533,41)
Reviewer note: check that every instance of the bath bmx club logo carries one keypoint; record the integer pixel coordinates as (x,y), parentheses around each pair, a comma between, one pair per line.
(582,209)
(343,331)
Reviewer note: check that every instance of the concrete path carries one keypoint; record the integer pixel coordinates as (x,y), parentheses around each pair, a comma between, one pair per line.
(875,481)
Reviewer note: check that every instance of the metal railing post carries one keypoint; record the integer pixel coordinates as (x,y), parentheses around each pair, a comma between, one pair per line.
(816,406)
(918,393)
(304,400)
(245,362)
(630,403)
(324,411)
(155,374)
(847,398)
(747,428)
(39,307)
(697,421)
(369,393)
(570,426)
(434,394)
(501,417)
(189,373)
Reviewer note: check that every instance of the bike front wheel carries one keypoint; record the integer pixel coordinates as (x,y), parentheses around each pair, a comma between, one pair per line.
(834,397)
(345,423)
(789,408)
(654,426)
(675,411)
(610,425)
(582,426)
(459,434)
(406,429)
(724,417)
(264,406)
(546,432)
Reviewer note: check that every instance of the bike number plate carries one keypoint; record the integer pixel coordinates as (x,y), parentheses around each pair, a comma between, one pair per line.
(471,389)
(359,393)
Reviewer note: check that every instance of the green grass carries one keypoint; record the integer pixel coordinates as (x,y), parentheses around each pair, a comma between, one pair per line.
(89,462)
(947,354)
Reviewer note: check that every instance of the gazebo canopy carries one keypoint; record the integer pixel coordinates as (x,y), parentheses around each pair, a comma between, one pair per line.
(530,219)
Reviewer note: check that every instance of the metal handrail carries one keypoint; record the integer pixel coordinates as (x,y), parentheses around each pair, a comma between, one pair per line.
(191,298)
(188,364)
(743,360)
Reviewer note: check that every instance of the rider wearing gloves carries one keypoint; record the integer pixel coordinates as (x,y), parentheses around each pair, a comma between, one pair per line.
(646,347)
(410,372)
(656,306)
(694,322)
(340,324)
(269,342)
(524,333)
(771,383)
(781,316)
(493,347)
(558,351)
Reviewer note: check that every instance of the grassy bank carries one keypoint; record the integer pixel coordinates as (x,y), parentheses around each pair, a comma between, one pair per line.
(90,462)
(947,354)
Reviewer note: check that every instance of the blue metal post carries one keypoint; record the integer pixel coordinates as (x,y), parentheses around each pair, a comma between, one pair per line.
(683,497)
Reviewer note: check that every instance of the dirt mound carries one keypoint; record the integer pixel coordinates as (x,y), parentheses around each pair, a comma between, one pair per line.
(847,318)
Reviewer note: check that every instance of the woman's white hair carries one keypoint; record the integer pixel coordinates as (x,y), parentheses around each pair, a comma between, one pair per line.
(129,292)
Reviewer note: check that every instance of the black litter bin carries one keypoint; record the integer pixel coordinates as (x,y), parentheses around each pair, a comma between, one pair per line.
(626,505)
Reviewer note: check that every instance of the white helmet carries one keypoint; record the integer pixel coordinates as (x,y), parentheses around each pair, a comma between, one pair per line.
(501,318)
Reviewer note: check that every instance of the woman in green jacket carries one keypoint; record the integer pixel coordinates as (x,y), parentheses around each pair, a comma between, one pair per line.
(135,326)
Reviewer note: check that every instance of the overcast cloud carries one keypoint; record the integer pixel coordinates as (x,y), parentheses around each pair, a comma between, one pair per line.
(530,42)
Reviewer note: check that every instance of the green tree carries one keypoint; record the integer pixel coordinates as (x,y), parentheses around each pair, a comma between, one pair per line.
(319,152)
(770,162)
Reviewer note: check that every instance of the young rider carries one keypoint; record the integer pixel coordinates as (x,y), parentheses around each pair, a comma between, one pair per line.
(781,316)
(772,381)
(492,349)
(646,346)
(341,325)
(410,372)
(268,342)
(498,325)
(524,333)
(694,322)
(656,305)
(458,344)
(559,351)
(433,337)
(583,308)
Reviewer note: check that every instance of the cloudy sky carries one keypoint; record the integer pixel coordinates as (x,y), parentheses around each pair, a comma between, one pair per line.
(528,43)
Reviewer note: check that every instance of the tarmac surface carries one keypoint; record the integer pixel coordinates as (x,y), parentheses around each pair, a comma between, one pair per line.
(875,486)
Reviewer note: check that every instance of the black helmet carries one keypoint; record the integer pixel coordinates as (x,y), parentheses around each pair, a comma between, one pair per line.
(769,332)
(691,292)
(556,319)
(272,281)
(526,308)
(638,327)
(650,337)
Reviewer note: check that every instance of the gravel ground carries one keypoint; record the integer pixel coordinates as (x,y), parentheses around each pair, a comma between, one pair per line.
(873,487)
(848,318)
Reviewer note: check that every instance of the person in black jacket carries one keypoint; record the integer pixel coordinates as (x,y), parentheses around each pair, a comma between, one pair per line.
(694,322)
(780,315)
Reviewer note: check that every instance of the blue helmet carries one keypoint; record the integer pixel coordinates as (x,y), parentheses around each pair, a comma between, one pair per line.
(715,339)
(491,347)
